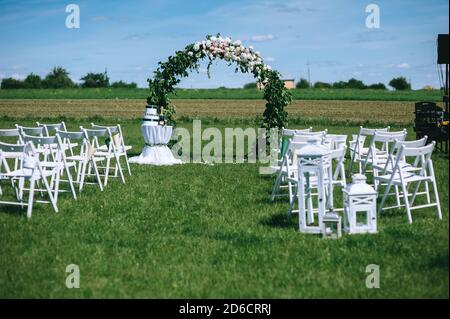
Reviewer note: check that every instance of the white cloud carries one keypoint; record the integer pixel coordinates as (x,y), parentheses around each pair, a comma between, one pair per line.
(399,66)
(356,73)
(18,76)
(262,38)
(403,66)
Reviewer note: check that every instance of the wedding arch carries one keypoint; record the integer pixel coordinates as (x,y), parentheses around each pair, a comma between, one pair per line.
(169,74)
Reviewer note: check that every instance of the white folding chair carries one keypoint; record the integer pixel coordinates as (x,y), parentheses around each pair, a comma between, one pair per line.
(110,153)
(50,130)
(85,158)
(286,169)
(31,170)
(378,152)
(118,140)
(402,176)
(357,149)
(56,163)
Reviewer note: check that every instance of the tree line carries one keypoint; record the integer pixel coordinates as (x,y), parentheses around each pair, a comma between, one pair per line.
(399,83)
(58,78)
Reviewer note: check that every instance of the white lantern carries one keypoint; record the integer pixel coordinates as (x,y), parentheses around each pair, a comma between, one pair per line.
(360,206)
(331,225)
(312,161)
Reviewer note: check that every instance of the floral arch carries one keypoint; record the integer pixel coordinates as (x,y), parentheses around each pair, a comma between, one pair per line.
(169,73)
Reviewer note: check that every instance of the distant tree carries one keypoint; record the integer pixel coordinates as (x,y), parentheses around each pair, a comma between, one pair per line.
(33,81)
(222,87)
(340,85)
(122,84)
(322,85)
(95,80)
(302,84)
(251,85)
(355,84)
(58,78)
(377,86)
(10,83)
(400,84)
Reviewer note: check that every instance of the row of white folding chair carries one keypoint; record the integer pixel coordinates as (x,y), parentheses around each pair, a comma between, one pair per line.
(30,169)
(84,160)
(118,140)
(358,147)
(377,157)
(403,175)
(54,159)
(379,146)
(112,152)
(287,134)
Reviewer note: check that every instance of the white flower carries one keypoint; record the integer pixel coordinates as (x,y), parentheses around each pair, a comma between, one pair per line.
(190,53)
(197,46)
(213,38)
(237,43)
(208,43)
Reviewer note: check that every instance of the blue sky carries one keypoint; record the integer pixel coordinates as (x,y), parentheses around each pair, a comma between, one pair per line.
(130,37)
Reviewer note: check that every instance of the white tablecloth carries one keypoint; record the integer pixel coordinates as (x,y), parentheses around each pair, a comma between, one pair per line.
(156,151)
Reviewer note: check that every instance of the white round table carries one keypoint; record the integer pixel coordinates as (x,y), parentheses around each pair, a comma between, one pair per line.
(156,151)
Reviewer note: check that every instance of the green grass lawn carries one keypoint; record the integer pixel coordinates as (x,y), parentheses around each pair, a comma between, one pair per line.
(298,94)
(209,231)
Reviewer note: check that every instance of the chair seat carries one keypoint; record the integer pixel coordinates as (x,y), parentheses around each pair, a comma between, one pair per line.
(80,158)
(104,148)
(407,178)
(26,173)
(55,164)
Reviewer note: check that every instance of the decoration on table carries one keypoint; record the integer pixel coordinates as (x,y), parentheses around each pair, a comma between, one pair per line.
(247,60)
(360,199)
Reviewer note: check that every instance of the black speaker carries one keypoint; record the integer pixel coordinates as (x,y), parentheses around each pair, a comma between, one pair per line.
(442,49)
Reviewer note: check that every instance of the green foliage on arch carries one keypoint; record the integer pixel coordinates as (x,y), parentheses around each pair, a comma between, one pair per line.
(169,74)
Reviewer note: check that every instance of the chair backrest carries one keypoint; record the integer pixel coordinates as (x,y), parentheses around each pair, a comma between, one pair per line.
(318,133)
(371,131)
(388,138)
(421,155)
(11,148)
(95,133)
(50,129)
(112,128)
(412,144)
(336,141)
(71,135)
(33,131)
(39,140)
(9,132)
(306,138)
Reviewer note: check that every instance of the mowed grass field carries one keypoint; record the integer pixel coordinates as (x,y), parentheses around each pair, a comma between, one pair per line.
(353,112)
(209,231)
(225,94)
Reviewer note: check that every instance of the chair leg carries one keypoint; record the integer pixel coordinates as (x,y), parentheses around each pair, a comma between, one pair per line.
(405,199)
(72,187)
(99,180)
(120,168)
(397,195)
(435,190)
(108,160)
(385,195)
(30,198)
(82,175)
(128,164)
(276,186)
